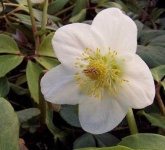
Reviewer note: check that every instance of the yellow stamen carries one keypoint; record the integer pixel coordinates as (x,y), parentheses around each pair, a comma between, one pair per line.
(99,72)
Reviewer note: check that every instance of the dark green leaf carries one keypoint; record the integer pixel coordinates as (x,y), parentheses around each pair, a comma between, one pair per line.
(110,4)
(144,141)
(152,47)
(47,62)
(154,118)
(9,128)
(86,140)
(155,14)
(79,6)
(9,62)
(101,140)
(21,80)
(27,114)
(4,87)
(18,89)
(69,114)
(139,27)
(106,139)
(29,118)
(106,148)
(56,6)
(33,72)
(158,72)
(79,17)
(5,47)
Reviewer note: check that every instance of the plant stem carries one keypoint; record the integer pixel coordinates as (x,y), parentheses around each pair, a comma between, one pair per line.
(159,99)
(11,4)
(131,122)
(34,28)
(64,10)
(44,18)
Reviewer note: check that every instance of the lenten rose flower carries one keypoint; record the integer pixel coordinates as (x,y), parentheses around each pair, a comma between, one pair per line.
(99,70)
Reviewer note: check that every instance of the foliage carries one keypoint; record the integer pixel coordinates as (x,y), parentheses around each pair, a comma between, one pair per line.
(26,53)
(9,127)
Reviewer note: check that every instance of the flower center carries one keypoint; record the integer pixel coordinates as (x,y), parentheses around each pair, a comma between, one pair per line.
(97,72)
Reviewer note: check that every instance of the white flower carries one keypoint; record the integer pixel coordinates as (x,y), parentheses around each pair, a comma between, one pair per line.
(99,71)
(38,1)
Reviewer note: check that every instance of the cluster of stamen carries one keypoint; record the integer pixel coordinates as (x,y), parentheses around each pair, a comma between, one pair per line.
(97,73)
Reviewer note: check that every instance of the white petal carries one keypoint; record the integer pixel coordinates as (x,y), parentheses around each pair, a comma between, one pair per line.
(58,86)
(100,116)
(118,30)
(71,40)
(139,92)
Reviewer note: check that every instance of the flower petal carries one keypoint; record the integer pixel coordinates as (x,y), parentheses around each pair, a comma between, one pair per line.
(139,92)
(100,116)
(118,30)
(71,40)
(58,86)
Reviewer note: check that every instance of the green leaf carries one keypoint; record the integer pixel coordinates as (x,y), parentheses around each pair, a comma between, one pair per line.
(155,14)
(24,18)
(154,118)
(79,17)
(9,62)
(46,48)
(38,16)
(106,148)
(69,114)
(18,89)
(4,87)
(158,72)
(22,79)
(22,2)
(152,47)
(110,4)
(29,118)
(79,6)
(58,134)
(5,47)
(86,140)
(105,140)
(144,141)
(101,140)
(33,72)
(47,62)
(1,7)
(9,128)
(27,114)
(163,84)
(56,6)
(140,26)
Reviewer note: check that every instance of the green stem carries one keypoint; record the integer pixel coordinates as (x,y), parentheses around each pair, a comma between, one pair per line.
(11,4)
(34,27)
(159,99)
(13,11)
(131,122)
(64,10)
(44,18)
